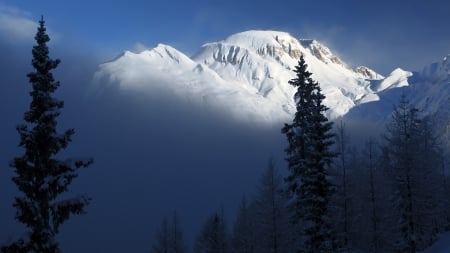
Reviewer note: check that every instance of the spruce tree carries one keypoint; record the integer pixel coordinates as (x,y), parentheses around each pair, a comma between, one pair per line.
(412,159)
(40,175)
(308,156)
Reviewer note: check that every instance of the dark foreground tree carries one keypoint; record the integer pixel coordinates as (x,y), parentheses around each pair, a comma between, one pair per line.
(308,156)
(41,176)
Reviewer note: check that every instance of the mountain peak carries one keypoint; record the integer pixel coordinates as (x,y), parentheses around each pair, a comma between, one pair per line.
(259,38)
(322,52)
(437,71)
(368,73)
(267,43)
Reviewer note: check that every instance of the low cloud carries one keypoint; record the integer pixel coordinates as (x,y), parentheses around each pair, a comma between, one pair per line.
(16,25)
(19,26)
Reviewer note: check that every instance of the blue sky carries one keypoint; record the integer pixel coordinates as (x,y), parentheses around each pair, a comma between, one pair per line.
(379,34)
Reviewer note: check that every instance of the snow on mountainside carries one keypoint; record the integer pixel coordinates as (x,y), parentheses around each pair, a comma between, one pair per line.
(397,78)
(263,61)
(246,75)
(166,71)
(428,91)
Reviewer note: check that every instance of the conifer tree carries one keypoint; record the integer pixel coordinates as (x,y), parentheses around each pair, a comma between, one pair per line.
(270,212)
(401,140)
(342,143)
(39,174)
(308,156)
(412,160)
(213,237)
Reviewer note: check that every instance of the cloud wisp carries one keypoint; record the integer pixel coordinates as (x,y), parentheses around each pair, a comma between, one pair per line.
(16,25)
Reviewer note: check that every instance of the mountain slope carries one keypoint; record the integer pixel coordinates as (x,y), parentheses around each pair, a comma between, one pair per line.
(263,61)
(246,76)
(427,90)
(168,72)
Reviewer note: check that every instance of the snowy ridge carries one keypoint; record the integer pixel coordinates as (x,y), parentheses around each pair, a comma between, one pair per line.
(397,78)
(431,90)
(437,71)
(322,52)
(368,73)
(427,90)
(168,71)
(246,75)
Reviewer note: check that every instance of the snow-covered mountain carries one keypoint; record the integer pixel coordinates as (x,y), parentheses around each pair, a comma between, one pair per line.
(246,75)
(428,90)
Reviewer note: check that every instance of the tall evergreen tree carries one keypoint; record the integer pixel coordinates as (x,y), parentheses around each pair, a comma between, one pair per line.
(40,176)
(308,156)
(412,161)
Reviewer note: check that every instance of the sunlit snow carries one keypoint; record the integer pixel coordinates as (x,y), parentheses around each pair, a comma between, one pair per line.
(246,76)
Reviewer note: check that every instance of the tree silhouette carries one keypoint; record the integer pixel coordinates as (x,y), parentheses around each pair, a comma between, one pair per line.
(308,156)
(40,175)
